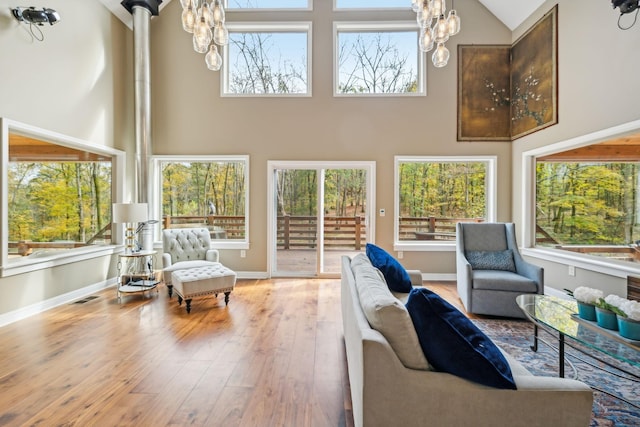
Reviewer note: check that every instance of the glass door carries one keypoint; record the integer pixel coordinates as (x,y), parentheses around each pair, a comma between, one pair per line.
(320,211)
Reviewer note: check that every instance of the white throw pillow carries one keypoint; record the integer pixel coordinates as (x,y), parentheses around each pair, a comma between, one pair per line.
(386,314)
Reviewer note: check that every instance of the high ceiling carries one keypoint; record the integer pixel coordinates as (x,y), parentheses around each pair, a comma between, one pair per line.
(511,12)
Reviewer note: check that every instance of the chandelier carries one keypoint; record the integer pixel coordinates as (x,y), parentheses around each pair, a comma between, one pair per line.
(206,23)
(435,29)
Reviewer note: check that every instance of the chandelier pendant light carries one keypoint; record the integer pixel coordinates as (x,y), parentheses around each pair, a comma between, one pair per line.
(207,24)
(435,29)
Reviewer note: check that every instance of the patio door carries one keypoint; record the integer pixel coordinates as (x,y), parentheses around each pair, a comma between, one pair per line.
(318,212)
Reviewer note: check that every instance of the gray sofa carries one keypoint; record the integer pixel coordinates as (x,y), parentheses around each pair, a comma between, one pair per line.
(385,392)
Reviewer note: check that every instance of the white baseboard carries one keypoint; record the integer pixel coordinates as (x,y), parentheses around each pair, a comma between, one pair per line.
(39,307)
(439,277)
(252,275)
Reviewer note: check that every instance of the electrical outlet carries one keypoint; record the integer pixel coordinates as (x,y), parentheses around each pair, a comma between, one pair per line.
(243,253)
(400,254)
(572,270)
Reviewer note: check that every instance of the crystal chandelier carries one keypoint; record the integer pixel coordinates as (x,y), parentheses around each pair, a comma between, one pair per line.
(435,29)
(206,23)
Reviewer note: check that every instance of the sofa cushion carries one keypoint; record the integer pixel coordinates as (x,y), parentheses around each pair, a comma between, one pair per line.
(453,344)
(387,314)
(396,276)
(491,260)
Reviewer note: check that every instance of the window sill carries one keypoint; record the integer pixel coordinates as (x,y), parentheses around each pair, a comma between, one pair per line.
(42,260)
(596,264)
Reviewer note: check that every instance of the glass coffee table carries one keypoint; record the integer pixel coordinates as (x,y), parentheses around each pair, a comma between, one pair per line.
(559,317)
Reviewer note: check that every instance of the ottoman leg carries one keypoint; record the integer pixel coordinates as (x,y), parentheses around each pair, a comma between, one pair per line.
(188,305)
(226,298)
(179,300)
(170,290)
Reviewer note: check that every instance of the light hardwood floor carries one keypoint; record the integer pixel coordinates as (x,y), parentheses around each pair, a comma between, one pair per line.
(274,357)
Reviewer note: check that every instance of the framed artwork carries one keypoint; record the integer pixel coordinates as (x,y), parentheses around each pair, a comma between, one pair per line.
(506,92)
(483,93)
(534,77)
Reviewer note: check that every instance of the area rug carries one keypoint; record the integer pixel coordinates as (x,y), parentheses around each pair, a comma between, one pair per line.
(515,337)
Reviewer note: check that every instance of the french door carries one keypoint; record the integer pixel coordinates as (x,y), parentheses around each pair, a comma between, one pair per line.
(318,211)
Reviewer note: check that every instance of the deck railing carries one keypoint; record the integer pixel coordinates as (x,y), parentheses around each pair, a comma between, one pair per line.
(431,228)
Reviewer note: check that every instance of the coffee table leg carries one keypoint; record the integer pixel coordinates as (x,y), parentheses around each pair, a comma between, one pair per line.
(561,355)
(534,347)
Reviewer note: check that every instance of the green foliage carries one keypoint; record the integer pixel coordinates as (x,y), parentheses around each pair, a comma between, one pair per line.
(58,200)
(203,188)
(588,203)
(344,192)
(445,190)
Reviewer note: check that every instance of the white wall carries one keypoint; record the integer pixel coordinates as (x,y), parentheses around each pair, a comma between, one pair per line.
(76,82)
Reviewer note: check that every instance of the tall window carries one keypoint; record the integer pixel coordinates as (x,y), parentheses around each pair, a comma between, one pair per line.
(377,58)
(433,194)
(268,60)
(208,191)
(589,207)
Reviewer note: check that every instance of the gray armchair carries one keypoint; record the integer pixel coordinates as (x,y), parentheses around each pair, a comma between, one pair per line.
(491,273)
(185,248)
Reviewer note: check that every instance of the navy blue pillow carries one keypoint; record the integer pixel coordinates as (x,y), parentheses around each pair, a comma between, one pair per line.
(396,276)
(452,343)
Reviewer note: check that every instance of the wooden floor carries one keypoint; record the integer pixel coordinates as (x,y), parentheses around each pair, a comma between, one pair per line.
(274,357)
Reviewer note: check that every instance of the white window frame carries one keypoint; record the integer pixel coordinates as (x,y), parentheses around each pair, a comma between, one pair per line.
(156,196)
(270,27)
(528,220)
(444,246)
(268,9)
(391,8)
(373,27)
(28,264)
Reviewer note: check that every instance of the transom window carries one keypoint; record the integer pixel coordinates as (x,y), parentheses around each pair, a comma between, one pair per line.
(377,59)
(433,194)
(372,4)
(268,4)
(205,191)
(268,60)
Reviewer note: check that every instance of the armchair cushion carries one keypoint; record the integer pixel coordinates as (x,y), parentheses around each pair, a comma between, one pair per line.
(396,276)
(496,280)
(453,344)
(491,260)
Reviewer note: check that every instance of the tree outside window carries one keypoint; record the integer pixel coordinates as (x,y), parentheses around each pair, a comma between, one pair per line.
(377,59)
(433,195)
(57,205)
(268,60)
(589,207)
(210,193)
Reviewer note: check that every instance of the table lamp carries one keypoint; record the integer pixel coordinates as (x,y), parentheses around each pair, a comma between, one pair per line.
(129,214)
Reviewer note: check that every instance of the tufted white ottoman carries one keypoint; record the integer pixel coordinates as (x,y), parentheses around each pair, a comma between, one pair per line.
(205,280)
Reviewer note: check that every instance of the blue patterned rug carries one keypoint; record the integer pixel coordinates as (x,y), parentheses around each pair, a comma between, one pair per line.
(515,337)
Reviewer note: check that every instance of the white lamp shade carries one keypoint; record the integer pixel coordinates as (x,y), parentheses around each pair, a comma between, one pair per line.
(129,212)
